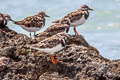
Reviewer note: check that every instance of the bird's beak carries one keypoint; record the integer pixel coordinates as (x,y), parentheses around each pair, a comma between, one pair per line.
(11,20)
(90,9)
(47,16)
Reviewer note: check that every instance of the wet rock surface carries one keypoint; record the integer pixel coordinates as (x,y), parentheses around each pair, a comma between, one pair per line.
(78,61)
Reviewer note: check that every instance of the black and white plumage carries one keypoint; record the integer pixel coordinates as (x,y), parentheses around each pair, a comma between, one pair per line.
(33,23)
(78,17)
(52,44)
(4,19)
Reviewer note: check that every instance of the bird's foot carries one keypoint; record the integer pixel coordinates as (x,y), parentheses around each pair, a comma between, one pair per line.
(75,31)
(76,34)
(53,60)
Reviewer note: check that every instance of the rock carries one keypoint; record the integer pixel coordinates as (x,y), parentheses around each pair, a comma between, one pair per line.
(78,61)
(3,63)
(6,33)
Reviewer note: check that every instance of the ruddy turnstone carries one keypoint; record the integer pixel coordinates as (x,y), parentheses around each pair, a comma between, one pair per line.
(33,23)
(52,44)
(4,18)
(78,17)
(63,26)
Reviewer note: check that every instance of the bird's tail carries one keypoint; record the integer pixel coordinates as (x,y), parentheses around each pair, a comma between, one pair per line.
(56,21)
(18,22)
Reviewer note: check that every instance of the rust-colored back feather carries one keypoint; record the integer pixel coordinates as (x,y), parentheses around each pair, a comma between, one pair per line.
(56,21)
(18,22)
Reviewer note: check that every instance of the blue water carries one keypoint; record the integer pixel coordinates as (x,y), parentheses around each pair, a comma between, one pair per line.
(102,29)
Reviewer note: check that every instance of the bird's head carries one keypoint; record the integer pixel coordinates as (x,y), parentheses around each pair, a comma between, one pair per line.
(43,14)
(7,17)
(85,8)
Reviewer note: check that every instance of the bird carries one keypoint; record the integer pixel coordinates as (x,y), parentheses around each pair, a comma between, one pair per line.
(33,23)
(63,26)
(52,44)
(4,19)
(77,17)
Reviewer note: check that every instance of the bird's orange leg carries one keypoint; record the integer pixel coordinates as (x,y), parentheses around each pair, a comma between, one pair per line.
(75,31)
(53,60)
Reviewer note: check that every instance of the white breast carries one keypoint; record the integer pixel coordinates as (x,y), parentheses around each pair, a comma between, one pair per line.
(79,22)
(50,50)
(1,18)
(30,29)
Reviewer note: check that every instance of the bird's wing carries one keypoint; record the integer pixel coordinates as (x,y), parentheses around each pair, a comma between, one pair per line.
(74,16)
(56,21)
(57,28)
(47,43)
(32,21)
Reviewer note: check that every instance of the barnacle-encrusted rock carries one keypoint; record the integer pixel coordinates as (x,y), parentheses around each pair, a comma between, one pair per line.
(78,61)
